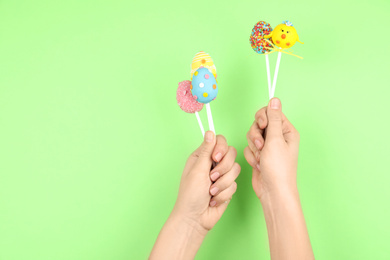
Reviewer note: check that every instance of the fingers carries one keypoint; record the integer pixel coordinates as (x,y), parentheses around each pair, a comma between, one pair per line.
(256,131)
(250,158)
(204,161)
(275,117)
(221,148)
(255,137)
(224,197)
(225,165)
(261,118)
(291,135)
(226,180)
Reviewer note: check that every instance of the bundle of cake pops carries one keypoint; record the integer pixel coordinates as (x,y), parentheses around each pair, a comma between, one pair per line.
(265,41)
(202,89)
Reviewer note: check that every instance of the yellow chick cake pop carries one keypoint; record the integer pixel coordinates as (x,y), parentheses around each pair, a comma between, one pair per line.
(284,35)
(203,60)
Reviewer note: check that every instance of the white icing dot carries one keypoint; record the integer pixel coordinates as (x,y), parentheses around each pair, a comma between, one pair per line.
(201,85)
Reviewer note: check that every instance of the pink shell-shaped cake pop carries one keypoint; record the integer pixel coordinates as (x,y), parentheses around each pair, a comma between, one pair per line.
(185,99)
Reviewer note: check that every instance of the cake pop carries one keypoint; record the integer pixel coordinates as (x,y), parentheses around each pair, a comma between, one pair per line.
(204,86)
(264,40)
(187,103)
(204,89)
(191,96)
(184,98)
(284,35)
(257,41)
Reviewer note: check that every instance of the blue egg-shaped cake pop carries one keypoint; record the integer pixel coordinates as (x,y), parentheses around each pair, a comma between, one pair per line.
(204,86)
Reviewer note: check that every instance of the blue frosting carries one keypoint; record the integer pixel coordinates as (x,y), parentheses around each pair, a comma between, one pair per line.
(202,84)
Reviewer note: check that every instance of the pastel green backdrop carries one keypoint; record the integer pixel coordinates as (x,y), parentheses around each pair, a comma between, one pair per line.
(92,142)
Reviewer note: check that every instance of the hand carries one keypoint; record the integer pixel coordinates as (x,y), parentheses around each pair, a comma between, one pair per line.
(272,151)
(274,158)
(203,197)
(200,200)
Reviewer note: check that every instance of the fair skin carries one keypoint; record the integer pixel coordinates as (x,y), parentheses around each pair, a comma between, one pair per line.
(204,195)
(272,151)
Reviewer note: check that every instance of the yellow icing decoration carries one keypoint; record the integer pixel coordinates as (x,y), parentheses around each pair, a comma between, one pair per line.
(284,36)
(205,94)
(203,59)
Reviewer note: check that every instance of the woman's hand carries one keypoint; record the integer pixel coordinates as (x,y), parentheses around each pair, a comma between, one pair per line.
(204,195)
(273,144)
(200,200)
(273,153)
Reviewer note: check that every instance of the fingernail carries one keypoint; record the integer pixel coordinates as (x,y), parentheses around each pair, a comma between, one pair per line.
(260,121)
(275,103)
(258,166)
(214,176)
(213,203)
(209,136)
(214,191)
(218,157)
(258,144)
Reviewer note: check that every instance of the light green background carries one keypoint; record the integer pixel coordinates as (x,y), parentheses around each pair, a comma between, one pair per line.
(92,142)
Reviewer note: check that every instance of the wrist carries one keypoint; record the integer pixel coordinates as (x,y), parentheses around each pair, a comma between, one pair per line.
(279,195)
(188,226)
(180,238)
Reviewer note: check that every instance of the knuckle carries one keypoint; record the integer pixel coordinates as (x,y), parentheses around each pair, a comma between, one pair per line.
(252,134)
(222,137)
(257,156)
(237,167)
(261,112)
(275,119)
(233,150)
(234,187)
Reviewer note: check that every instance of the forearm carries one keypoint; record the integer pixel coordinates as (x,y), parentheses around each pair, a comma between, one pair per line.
(287,232)
(180,238)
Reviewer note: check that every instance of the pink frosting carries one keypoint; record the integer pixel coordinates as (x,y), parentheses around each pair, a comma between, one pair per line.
(185,99)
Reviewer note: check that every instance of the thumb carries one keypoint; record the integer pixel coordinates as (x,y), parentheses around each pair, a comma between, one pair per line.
(274,114)
(204,161)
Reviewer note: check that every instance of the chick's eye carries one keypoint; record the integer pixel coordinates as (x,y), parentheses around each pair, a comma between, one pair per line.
(287,31)
(282,30)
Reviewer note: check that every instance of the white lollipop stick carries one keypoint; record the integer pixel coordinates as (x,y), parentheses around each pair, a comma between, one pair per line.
(268,75)
(210,118)
(276,75)
(200,123)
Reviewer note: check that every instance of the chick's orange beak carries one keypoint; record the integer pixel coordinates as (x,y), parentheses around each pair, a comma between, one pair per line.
(283,36)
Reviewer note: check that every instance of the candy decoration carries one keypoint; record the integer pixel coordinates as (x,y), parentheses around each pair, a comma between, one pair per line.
(187,103)
(191,96)
(184,98)
(204,86)
(284,35)
(264,40)
(203,60)
(262,46)
(205,89)
(257,41)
